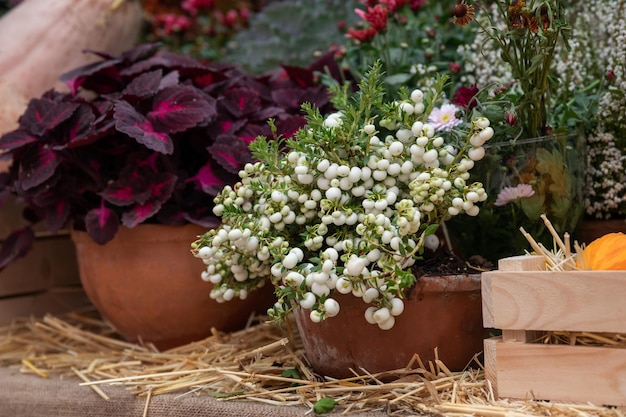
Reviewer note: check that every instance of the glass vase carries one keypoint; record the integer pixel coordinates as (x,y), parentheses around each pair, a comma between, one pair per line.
(524,179)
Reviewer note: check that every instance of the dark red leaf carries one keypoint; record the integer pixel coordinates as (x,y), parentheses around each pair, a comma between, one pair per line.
(303,77)
(144,85)
(37,166)
(207,180)
(140,212)
(240,102)
(56,216)
(86,74)
(135,125)
(123,194)
(18,244)
(288,126)
(43,115)
(102,224)
(16,139)
(176,109)
(230,152)
(161,186)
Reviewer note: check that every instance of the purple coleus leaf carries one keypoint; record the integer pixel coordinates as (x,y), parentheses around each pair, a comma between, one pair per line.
(161,186)
(230,152)
(303,77)
(144,85)
(288,98)
(103,76)
(102,224)
(16,139)
(16,246)
(140,212)
(288,126)
(240,102)
(176,109)
(56,216)
(139,186)
(207,180)
(37,166)
(134,124)
(80,126)
(44,114)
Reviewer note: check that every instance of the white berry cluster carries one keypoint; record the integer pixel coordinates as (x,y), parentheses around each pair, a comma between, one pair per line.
(348,208)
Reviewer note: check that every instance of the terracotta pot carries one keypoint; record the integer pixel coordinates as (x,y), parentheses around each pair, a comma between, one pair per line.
(147,284)
(591,229)
(440,312)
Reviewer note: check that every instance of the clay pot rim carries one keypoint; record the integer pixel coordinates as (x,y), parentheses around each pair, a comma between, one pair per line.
(146,233)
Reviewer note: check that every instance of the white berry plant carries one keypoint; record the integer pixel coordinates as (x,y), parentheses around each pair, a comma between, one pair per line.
(345,206)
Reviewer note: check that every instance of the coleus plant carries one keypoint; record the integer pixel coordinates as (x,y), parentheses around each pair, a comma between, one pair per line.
(147,136)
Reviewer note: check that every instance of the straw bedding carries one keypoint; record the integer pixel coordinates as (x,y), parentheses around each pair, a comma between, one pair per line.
(262,363)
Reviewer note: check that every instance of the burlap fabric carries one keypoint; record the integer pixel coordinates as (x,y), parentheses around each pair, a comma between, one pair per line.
(32,396)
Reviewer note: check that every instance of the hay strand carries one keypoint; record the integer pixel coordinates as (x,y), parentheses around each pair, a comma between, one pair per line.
(250,365)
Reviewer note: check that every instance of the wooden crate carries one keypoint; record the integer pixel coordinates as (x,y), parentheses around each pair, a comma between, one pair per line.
(44,281)
(523,300)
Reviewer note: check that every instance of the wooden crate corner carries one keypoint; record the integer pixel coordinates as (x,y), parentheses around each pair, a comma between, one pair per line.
(525,301)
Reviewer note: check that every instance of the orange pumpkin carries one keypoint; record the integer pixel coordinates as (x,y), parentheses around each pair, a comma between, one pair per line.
(605,253)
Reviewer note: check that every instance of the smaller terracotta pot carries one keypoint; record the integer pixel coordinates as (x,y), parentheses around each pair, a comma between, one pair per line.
(591,229)
(147,284)
(440,312)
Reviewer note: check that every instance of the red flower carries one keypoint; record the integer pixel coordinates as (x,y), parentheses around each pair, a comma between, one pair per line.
(454,67)
(376,16)
(362,35)
(464,97)
(417,4)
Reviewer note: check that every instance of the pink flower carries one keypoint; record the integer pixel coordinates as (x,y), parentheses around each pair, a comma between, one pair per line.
(510,194)
(444,117)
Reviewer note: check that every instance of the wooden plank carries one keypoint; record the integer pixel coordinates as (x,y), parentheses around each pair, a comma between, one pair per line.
(52,262)
(522,263)
(54,301)
(555,300)
(557,372)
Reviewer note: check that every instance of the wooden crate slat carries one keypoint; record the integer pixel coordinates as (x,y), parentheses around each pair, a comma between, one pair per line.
(555,300)
(52,262)
(556,372)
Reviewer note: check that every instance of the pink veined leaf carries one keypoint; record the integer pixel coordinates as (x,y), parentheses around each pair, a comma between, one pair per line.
(81,124)
(57,216)
(176,109)
(16,139)
(162,186)
(44,114)
(38,166)
(208,181)
(140,212)
(135,125)
(102,224)
(123,194)
(241,102)
(230,152)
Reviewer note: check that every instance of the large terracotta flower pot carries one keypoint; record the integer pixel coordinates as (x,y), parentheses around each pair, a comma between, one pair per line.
(440,312)
(147,284)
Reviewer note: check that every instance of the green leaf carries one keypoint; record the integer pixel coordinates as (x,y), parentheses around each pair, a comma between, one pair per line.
(431,229)
(291,373)
(324,405)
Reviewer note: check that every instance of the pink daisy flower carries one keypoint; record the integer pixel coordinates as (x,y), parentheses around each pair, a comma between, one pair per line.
(510,194)
(444,117)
